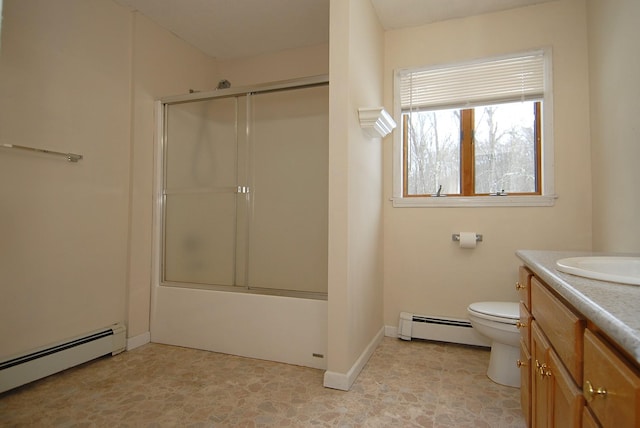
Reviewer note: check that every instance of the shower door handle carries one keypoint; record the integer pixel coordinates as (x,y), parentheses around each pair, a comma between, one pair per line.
(242,189)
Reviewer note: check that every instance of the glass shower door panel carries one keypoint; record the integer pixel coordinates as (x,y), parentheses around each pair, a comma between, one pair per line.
(201,146)
(200,238)
(200,179)
(288,232)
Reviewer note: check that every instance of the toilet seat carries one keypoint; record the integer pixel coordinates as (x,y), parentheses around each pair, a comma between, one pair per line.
(502,312)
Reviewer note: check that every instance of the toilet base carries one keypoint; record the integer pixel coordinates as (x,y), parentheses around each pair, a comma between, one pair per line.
(502,365)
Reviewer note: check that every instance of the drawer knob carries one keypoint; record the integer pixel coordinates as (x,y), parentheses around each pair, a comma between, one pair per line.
(520,286)
(590,392)
(520,324)
(542,369)
(520,363)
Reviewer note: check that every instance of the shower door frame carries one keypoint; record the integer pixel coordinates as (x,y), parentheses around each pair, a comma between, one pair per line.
(159,184)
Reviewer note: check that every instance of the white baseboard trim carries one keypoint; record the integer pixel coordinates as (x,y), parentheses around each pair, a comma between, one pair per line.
(139,340)
(343,381)
(390,331)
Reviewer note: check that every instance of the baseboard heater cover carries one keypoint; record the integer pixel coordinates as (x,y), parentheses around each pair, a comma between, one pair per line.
(22,369)
(441,329)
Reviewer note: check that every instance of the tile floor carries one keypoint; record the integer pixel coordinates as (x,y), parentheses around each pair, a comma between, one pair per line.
(404,384)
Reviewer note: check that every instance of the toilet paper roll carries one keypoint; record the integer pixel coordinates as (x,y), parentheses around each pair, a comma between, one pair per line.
(467,240)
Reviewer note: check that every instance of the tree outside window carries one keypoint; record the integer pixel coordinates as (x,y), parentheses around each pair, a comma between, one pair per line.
(493,149)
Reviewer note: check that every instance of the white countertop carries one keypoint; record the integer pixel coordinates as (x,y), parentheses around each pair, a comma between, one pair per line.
(613,307)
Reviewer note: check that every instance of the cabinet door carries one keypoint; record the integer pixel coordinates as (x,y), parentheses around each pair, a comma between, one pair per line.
(525,381)
(540,403)
(566,398)
(611,387)
(556,400)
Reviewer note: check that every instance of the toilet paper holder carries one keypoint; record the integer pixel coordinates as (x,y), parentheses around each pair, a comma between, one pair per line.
(456,237)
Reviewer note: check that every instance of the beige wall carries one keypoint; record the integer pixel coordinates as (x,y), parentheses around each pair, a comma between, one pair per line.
(614,67)
(424,271)
(355,184)
(64,85)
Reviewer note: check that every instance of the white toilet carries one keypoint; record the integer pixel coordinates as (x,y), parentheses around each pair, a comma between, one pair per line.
(497,321)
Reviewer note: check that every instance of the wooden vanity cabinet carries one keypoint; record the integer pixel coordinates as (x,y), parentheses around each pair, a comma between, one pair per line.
(572,375)
(553,335)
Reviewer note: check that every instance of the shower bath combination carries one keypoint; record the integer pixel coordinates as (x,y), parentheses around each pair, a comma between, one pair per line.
(240,260)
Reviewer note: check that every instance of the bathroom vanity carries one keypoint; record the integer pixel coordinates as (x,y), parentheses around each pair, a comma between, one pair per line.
(580,346)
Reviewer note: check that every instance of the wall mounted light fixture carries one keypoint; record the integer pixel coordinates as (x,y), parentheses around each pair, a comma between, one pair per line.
(376,122)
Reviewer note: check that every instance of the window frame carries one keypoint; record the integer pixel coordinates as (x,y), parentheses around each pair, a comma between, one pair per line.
(546,189)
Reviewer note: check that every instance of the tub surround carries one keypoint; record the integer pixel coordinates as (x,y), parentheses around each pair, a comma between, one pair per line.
(613,307)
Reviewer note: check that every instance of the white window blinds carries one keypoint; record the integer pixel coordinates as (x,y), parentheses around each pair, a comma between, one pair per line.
(507,79)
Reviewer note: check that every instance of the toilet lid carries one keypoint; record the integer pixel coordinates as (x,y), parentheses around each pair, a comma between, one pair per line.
(509,310)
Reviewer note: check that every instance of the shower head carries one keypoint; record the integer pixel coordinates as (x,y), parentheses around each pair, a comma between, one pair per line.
(224,84)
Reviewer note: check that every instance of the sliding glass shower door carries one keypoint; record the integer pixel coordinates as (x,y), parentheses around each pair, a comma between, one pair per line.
(245,192)
(289,141)
(200,189)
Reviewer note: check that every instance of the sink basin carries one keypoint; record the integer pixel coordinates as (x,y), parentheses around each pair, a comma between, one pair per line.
(615,269)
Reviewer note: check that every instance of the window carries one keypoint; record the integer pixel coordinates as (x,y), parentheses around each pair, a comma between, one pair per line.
(488,150)
(475,131)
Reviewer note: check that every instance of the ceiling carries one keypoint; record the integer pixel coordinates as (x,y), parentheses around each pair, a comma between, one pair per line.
(410,13)
(242,28)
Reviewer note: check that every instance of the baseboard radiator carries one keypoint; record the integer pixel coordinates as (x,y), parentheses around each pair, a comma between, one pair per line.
(439,329)
(43,362)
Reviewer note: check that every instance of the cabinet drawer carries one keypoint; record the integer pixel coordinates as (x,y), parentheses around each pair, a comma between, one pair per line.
(524,286)
(524,325)
(611,387)
(563,328)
